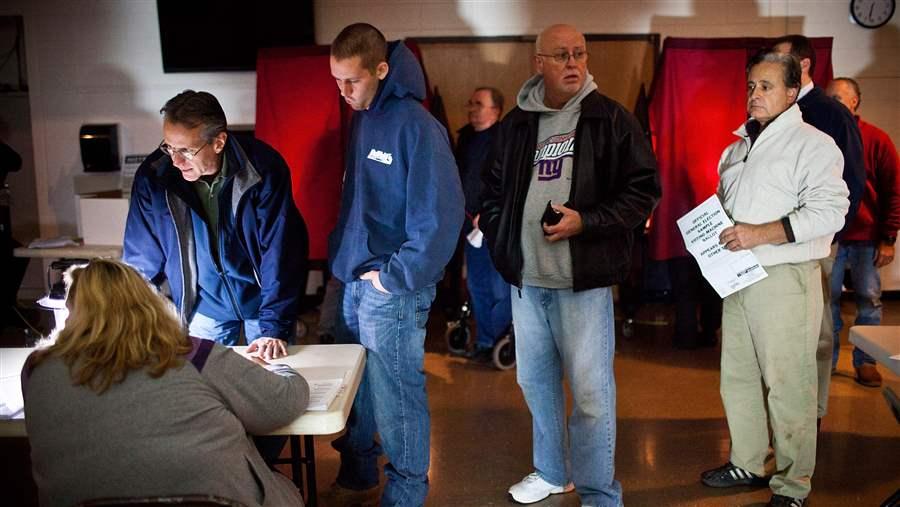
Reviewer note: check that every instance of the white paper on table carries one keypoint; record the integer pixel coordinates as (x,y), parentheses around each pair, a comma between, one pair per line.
(897,357)
(475,238)
(727,271)
(59,242)
(322,393)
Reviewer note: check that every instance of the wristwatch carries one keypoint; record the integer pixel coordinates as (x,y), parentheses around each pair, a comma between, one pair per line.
(889,240)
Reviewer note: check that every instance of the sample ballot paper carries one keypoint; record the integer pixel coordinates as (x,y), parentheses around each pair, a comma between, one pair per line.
(322,393)
(727,271)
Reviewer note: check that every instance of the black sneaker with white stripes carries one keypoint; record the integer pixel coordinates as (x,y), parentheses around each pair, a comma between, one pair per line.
(785,501)
(728,475)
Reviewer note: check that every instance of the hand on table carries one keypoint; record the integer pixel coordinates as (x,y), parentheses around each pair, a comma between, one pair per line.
(267,348)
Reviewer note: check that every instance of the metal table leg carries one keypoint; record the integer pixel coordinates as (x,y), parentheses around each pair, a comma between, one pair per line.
(301,456)
(309,445)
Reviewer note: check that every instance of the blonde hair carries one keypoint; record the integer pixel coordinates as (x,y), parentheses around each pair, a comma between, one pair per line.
(117,322)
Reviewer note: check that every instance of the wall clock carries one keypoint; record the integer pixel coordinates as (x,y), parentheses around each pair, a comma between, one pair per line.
(872,13)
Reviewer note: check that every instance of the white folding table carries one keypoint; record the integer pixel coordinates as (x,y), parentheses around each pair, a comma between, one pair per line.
(314,362)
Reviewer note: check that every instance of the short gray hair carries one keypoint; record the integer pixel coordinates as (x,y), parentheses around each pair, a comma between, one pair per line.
(196,109)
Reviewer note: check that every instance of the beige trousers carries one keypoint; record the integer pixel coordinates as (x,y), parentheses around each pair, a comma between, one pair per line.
(769,338)
(825,348)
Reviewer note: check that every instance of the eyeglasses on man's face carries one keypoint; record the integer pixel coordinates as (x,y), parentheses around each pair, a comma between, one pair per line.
(184,153)
(579,55)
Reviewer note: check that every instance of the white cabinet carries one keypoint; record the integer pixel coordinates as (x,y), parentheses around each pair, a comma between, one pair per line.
(890,275)
(101,220)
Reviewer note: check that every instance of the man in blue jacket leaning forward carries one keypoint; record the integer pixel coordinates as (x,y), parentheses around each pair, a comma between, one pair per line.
(401,213)
(214,215)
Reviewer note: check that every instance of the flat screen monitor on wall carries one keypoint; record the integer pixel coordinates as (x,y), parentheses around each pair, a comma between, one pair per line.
(224,35)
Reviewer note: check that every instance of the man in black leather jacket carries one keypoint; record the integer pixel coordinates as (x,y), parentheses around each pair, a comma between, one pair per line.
(566,143)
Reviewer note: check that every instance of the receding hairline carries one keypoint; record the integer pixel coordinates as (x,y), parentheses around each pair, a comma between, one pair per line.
(850,83)
(196,109)
(495,94)
(488,89)
(561,27)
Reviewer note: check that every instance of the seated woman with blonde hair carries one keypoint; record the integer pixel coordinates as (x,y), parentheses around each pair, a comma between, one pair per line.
(125,404)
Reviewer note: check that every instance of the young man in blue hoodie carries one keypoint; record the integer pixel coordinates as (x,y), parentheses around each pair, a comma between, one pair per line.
(401,213)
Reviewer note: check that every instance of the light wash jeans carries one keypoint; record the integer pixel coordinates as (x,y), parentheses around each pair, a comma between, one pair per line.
(860,257)
(391,398)
(558,332)
(490,297)
(226,332)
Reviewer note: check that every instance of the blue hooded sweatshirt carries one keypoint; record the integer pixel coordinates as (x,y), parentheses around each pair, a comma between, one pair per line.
(402,202)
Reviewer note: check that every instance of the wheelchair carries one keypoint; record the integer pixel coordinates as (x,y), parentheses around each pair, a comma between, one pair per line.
(458,336)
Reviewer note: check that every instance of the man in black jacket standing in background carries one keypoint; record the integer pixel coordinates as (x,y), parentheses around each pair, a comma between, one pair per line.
(566,143)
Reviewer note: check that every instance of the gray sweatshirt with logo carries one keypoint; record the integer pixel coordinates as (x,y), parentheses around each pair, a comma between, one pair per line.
(549,264)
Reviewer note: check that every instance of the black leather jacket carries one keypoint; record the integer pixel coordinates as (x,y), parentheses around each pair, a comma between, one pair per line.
(614,187)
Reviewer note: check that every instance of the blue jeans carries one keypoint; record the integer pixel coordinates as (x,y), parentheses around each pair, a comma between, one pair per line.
(391,398)
(226,332)
(558,332)
(490,297)
(860,257)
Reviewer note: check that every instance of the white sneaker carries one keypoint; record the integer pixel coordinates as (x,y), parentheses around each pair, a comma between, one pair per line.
(534,489)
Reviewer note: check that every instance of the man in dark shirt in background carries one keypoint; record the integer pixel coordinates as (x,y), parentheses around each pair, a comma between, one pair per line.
(827,115)
(488,292)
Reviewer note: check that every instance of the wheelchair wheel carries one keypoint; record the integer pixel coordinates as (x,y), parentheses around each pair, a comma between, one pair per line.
(457,336)
(505,353)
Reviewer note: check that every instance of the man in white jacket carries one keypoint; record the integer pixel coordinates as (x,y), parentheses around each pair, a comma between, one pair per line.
(781,184)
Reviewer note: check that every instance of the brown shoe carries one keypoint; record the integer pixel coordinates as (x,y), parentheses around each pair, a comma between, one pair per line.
(339,496)
(868,375)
